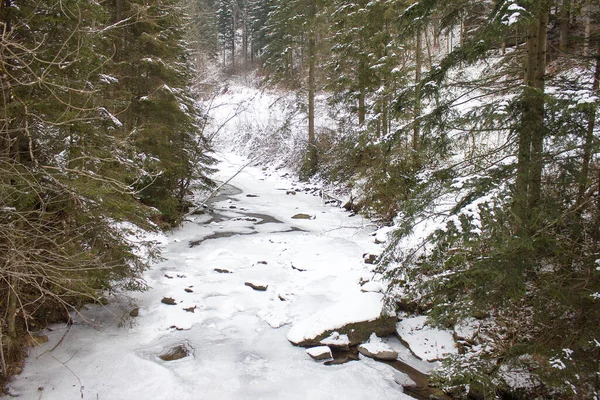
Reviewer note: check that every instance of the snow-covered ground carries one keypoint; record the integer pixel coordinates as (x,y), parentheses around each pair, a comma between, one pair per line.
(236,336)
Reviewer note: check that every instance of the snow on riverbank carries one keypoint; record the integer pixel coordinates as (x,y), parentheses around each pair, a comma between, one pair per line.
(427,343)
(198,301)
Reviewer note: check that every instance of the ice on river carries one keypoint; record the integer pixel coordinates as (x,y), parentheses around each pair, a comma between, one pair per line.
(236,335)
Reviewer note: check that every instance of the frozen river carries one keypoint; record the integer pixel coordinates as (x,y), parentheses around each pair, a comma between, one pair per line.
(235,336)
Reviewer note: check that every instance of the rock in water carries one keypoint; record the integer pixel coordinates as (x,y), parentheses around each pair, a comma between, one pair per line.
(320,353)
(302,216)
(261,287)
(175,353)
(169,301)
(377,349)
(222,271)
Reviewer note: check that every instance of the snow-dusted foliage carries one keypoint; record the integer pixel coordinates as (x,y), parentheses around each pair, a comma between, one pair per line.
(99,135)
(464,126)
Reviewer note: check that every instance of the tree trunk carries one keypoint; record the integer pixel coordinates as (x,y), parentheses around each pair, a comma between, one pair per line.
(417,110)
(428,47)
(529,157)
(119,41)
(11,310)
(245,35)
(361,106)
(312,142)
(565,19)
(291,61)
(436,32)
(537,134)
(5,139)
(384,119)
(233,25)
(588,27)
(589,140)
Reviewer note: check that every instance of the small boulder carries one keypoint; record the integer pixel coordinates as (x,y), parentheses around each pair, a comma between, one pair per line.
(320,353)
(188,290)
(169,301)
(369,258)
(337,341)
(222,271)
(377,349)
(135,312)
(371,317)
(176,353)
(261,287)
(179,328)
(190,309)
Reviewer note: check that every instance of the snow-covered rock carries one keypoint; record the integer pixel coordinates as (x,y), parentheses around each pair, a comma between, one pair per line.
(337,341)
(376,348)
(425,342)
(358,317)
(372,287)
(382,234)
(466,329)
(369,258)
(404,380)
(320,353)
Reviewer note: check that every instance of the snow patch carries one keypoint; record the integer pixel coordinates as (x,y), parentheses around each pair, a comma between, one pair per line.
(425,342)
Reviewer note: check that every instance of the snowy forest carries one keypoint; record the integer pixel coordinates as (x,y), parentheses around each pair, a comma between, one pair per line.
(441,160)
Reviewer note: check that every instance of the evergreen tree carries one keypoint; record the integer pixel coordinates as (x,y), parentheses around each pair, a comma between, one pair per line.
(159,116)
(258,13)
(226,25)
(513,241)
(292,56)
(96,115)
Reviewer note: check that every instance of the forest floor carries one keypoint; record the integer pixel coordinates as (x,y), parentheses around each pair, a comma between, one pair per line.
(232,338)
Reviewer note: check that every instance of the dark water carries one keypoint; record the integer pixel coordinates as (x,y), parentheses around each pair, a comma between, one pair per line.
(219,215)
